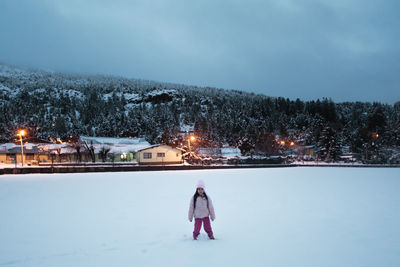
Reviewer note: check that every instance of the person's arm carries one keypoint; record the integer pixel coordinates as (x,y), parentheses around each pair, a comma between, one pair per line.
(191,210)
(211,209)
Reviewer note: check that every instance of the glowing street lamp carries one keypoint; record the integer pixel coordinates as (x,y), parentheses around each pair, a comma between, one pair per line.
(20,134)
(292,143)
(191,138)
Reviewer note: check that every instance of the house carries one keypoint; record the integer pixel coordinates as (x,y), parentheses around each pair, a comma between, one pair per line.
(309,151)
(104,149)
(347,156)
(32,155)
(3,153)
(159,154)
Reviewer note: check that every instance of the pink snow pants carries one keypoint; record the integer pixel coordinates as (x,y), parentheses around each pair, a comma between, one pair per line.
(197,226)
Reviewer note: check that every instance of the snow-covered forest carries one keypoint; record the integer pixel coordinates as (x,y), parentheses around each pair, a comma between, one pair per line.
(56,105)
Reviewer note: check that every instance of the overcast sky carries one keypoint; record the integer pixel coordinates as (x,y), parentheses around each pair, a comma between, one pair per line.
(347,50)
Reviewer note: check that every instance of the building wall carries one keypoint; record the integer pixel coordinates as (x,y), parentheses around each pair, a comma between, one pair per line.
(18,156)
(172,155)
(3,158)
(43,158)
(28,159)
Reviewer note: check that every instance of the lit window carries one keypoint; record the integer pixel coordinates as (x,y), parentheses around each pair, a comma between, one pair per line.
(161,155)
(147,155)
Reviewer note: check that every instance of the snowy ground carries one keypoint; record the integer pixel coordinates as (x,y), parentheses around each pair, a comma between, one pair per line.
(265,217)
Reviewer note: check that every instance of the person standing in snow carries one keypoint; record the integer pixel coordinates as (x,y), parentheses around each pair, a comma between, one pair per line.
(201,208)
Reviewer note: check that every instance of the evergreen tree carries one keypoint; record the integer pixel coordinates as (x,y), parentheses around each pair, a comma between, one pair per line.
(328,145)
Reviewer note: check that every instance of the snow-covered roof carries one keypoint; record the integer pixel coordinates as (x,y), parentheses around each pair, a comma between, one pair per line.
(117,145)
(16,148)
(7,146)
(114,140)
(120,149)
(117,148)
(230,152)
(57,148)
(346,157)
(157,145)
(226,152)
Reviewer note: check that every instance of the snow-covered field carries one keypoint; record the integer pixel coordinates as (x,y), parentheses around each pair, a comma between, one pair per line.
(265,217)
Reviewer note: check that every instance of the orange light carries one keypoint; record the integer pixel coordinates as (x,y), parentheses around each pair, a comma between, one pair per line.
(21,133)
(282,143)
(192,138)
(375,135)
(291,143)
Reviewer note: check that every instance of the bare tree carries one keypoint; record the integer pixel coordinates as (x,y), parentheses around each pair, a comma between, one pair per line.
(76,144)
(103,153)
(90,150)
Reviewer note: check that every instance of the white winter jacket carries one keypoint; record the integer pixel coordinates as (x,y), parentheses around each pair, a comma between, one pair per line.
(202,209)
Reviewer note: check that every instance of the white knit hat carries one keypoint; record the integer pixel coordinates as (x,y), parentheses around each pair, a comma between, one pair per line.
(200,184)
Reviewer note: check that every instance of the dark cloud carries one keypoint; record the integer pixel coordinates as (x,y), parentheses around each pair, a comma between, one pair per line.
(346,50)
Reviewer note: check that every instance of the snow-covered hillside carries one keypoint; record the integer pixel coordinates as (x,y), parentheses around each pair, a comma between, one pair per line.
(56,105)
(264,217)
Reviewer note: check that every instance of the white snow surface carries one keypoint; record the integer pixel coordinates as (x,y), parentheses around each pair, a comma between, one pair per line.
(264,217)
